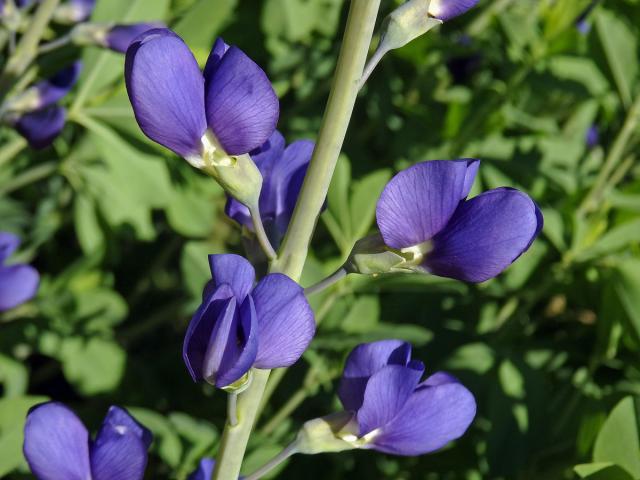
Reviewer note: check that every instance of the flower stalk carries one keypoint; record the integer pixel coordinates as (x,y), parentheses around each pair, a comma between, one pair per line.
(292,449)
(358,34)
(326,282)
(27,49)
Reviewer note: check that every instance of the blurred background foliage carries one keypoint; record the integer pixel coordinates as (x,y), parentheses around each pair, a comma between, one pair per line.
(120,229)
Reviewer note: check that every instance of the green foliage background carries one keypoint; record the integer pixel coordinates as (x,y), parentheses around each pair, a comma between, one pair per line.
(120,230)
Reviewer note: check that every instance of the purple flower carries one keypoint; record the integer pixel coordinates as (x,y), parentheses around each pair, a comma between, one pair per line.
(392,410)
(57,445)
(207,118)
(424,215)
(283,170)
(18,283)
(40,128)
(592,137)
(447,9)
(34,113)
(239,326)
(119,37)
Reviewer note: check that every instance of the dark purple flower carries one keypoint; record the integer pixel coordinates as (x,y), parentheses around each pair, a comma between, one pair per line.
(46,92)
(18,283)
(393,411)
(74,11)
(582,22)
(423,213)
(447,9)
(57,445)
(283,170)
(592,137)
(238,327)
(207,118)
(41,127)
(119,37)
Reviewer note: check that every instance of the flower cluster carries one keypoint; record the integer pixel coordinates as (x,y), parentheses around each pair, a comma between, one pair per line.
(34,112)
(19,282)
(222,120)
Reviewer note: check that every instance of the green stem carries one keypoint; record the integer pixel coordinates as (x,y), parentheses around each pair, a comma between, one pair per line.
(30,176)
(232,409)
(261,235)
(326,282)
(613,158)
(11,149)
(274,462)
(27,49)
(235,437)
(372,64)
(55,44)
(353,54)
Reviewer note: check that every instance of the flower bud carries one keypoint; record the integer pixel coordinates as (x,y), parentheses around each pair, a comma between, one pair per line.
(74,11)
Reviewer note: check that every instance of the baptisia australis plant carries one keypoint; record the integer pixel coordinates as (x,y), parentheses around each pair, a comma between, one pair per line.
(57,445)
(240,326)
(218,120)
(18,282)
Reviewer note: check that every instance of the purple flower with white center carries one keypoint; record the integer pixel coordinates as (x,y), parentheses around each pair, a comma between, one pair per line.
(46,92)
(18,283)
(283,170)
(392,410)
(447,9)
(74,11)
(57,445)
(238,326)
(208,118)
(424,216)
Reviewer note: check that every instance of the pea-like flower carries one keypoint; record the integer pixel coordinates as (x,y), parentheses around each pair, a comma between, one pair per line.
(427,223)
(57,445)
(35,114)
(283,170)
(18,283)
(212,119)
(238,326)
(388,408)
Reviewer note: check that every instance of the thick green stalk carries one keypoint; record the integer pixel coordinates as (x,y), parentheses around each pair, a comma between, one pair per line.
(353,54)
(27,49)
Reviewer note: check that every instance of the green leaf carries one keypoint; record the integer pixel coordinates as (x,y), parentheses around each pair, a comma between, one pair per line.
(615,239)
(166,441)
(198,27)
(364,197)
(92,366)
(90,235)
(13,412)
(363,315)
(620,46)
(626,283)
(601,471)
(618,441)
(14,377)
(129,185)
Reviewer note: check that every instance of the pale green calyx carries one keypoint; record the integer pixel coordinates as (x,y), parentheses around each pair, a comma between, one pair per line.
(236,174)
(90,33)
(333,433)
(239,385)
(406,23)
(370,256)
